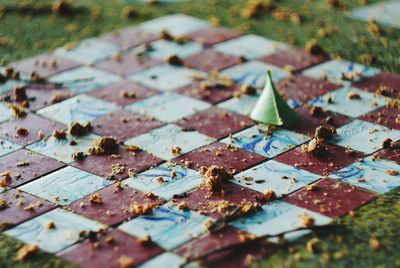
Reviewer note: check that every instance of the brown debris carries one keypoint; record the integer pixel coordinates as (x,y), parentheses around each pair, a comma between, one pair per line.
(375,244)
(314,48)
(19,93)
(315,146)
(307,220)
(256,8)
(96,198)
(142,209)
(270,195)
(248,89)
(353,96)
(3,205)
(174,60)
(214,176)
(78,156)
(324,133)
(59,134)
(25,252)
(22,131)
(76,129)
(60,96)
(50,225)
(176,150)
(18,110)
(61,7)
(317,111)
(126,262)
(104,145)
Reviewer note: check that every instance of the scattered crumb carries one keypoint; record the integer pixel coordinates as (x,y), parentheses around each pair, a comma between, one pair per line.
(96,198)
(375,244)
(18,110)
(307,220)
(353,96)
(104,145)
(22,131)
(176,150)
(126,262)
(174,60)
(26,251)
(59,134)
(3,204)
(214,176)
(50,225)
(270,195)
(314,48)
(76,129)
(248,89)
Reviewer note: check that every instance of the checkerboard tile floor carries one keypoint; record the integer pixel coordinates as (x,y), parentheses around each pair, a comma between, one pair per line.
(156,207)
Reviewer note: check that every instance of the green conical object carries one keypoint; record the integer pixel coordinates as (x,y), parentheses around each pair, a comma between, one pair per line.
(272,109)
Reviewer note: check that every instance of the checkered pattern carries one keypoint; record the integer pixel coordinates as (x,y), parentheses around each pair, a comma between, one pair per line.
(142,101)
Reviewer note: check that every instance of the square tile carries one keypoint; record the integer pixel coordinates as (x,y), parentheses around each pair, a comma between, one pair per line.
(211,95)
(21,207)
(168,106)
(88,51)
(161,141)
(68,227)
(103,165)
(165,77)
(161,49)
(33,124)
(7,147)
(123,125)
(213,35)
(243,104)
(115,206)
(84,79)
(380,176)
(211,60)
(331,198)
(254,73)
(82,108)
(5,112)
(384,83)
(310,120)
(232,159)
(227,122)
(336,71)
(167,226)
(44,65)
(127,64)
(129,37)
(176,180)
(332,160)
(176,24)
(250,47)
(26,166)
(300,89)
(385,116)
(278,217)
(342,103)
(364,136)
(272,175)
(384,12)
(221,204)
(392,153)
(123,93)
(295,59)
(166,259)
(61,149)
(107,254)
(65,185)
(254,140)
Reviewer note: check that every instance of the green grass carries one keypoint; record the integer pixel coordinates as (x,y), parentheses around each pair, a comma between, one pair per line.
(26,33)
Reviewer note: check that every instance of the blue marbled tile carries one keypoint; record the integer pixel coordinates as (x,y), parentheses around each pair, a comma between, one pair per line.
(333,71)
(82,108)
(254,73)
(176,24)
(386,12)
(167,226)
(250,46)
(253,140)
(88,51)
(65,185)
(160,141)
(185,179)
(9,85)
(364,136)
(166,259)
(5,113)
(273,175)
(168,106)
(161,49)
(7,147)
(278,217)
(351,107)
(371,175)
(242,105)
(165,77)
(68,227)
(84,79)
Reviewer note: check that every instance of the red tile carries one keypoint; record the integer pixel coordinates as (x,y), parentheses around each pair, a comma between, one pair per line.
(239,256)
(129,37)
(206,122)
(211,95)
(115,206)
(303,89)
(210,60)
(233,160)
(26,166)
(213,35)
(101,165)
(297,59)
(385,116)
(109,248)
(333,160)
(331,198)
(124,125)
(33,124)
(128,64)
(203,200)
(123,93)
(308,122)
(392,153)
(44,65)
(389,80)
(21,207)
